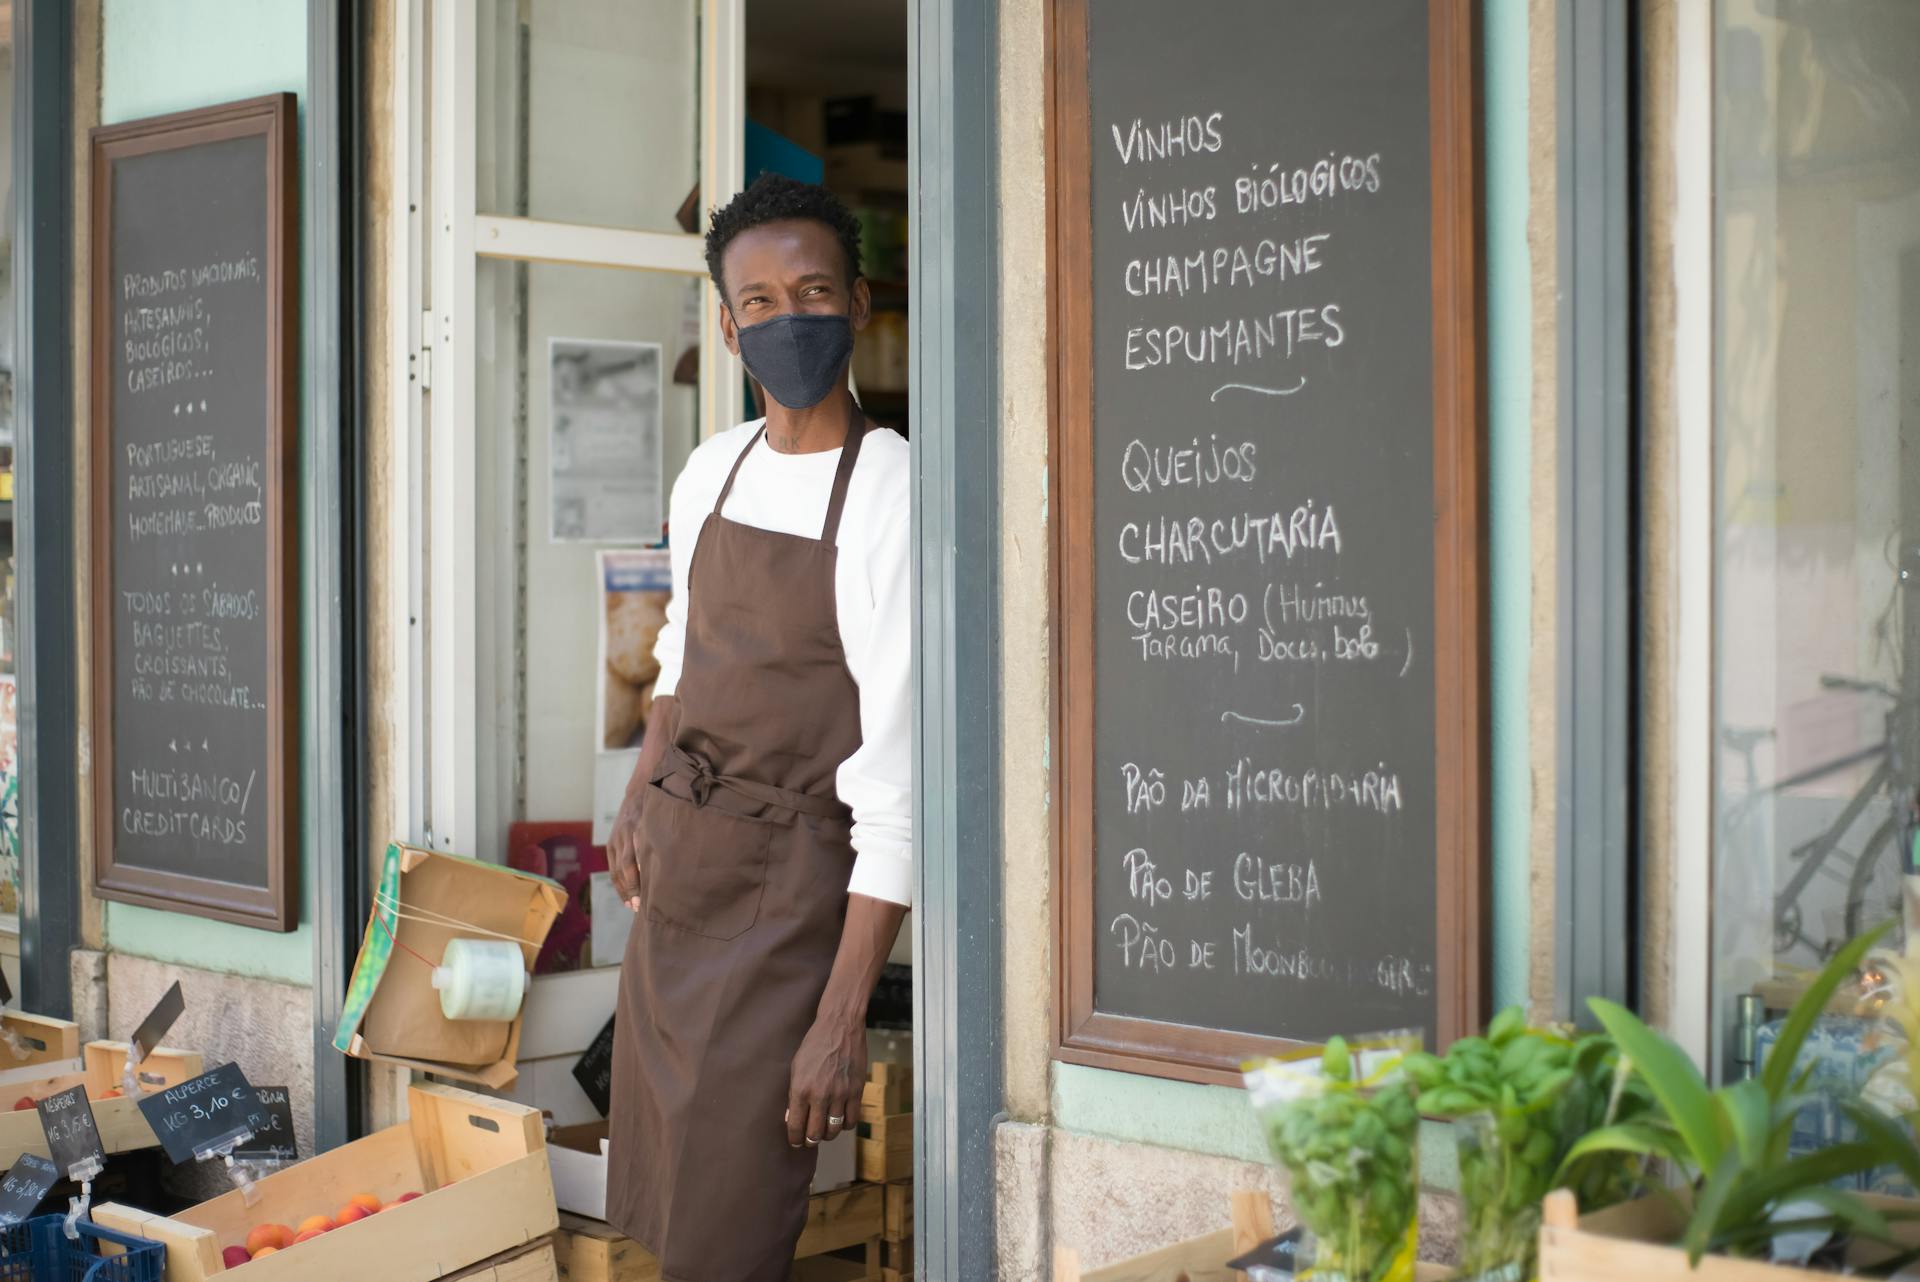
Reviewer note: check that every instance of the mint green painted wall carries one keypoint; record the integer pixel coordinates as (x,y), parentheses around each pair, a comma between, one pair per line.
(1509,497)
(168,55)
(1216,1119)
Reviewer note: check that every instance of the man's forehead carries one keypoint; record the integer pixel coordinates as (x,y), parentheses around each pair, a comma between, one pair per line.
(793,244)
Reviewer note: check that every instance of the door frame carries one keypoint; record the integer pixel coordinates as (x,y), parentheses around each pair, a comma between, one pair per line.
(954,157)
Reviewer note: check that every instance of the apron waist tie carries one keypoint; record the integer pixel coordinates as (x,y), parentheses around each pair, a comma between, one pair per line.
(701,779)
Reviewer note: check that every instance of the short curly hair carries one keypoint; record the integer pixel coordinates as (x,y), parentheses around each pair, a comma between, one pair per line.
(773,198)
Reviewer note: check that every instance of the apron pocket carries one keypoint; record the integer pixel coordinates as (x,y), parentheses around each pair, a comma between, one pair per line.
(704,869)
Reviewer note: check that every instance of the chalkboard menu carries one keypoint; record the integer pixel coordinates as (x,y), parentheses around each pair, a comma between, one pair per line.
(1267,427)
(193,512)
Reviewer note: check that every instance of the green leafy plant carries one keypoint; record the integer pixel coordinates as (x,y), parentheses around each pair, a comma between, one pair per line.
(1733,1141)
(1520,1098)
(1348,1142)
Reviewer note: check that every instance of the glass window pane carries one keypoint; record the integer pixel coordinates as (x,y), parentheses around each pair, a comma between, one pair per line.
(9,703)
(1817,503)
(589,111)
(586,409)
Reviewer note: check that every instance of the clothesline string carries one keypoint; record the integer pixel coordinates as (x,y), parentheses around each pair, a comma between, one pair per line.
(431,918)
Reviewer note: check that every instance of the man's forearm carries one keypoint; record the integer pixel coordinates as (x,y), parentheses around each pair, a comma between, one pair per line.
(865,942)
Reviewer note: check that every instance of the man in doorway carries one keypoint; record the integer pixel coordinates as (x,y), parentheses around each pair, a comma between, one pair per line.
(765,837)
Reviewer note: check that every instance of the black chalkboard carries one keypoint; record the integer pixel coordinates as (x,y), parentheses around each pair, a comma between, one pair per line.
(1256,653)
(273,1140)
(192,511)
(73,1137)
(594,1070)
(201,1116)
(25,1186)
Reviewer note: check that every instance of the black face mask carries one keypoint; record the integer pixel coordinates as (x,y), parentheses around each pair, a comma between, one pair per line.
(799,358)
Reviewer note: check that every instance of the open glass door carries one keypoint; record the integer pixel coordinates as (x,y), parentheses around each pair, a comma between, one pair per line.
(571,150)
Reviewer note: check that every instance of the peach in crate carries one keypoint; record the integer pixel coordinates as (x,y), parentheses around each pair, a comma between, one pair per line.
(99,1068)
(469,1159)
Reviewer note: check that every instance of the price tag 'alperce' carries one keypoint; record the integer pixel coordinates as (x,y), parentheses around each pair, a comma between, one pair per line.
(201,1117)
(273,1139)
(25,1187)
(72,1135)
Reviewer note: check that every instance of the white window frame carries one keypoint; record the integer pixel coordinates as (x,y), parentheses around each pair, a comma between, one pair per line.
(438,239)
(1691,704)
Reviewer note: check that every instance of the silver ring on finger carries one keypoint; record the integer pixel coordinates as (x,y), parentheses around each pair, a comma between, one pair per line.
(836,1121)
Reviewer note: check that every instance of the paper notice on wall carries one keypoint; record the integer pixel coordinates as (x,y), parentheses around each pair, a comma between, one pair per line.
(604,457)
(635,586)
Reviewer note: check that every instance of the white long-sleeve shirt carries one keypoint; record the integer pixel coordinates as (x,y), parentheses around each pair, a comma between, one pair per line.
(873,587)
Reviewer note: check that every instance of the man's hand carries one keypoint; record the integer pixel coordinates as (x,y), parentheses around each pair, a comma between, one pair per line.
(623,846)
(830,1070)
(829,1073)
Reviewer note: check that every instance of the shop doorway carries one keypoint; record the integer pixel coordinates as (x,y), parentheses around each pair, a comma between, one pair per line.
(557,162)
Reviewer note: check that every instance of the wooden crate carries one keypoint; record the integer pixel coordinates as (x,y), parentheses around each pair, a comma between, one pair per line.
(1633,1240)
(480,1163)
(898,1226)
(44,1041)
(533,1262)
(591,1251)
(888,1089)
(886,1148)
(123,1127)
(896,1255)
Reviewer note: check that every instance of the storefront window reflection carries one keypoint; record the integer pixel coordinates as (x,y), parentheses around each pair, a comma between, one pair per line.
(1817,502)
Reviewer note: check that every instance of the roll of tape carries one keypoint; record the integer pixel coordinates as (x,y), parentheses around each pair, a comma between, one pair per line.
(481,979)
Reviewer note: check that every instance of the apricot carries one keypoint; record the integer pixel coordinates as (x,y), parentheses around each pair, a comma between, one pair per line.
(366,1202)
(23,1103)
(307,1235)
(263,1252)
(406,1197)
(112,1094)
(234,1256)
(316,1224)
(273,1235)
(350,1212)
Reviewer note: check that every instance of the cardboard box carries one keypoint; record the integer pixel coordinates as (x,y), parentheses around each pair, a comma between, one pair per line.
(480,1165)
(424,899)
(579,1158)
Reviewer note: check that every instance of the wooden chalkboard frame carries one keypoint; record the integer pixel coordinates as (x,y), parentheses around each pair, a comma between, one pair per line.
(274,906)
(1082,1034)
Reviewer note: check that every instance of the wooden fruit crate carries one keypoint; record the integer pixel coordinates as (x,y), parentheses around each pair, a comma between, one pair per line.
(123,1127)
(533,1262)
(45,1041)
(898,1226)
(886,1148)
(1635,1240)
(479,1163)
(888,1089)
(591,1251)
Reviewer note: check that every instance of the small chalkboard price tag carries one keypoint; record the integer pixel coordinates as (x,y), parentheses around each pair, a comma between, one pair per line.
(157,1023)
(273,1139)
(6,990)
(25,1186)
(200,1117)
(72,1135)
(1279,1257)
(594,1071)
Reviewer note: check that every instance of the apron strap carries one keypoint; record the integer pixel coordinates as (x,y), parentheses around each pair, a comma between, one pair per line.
(697,773)
(720,503)
(849,455)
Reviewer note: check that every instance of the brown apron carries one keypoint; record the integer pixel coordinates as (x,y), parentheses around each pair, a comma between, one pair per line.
(745,854)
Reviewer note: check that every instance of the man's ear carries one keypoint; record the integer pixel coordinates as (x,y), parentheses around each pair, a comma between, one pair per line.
(862,310)
(728,330)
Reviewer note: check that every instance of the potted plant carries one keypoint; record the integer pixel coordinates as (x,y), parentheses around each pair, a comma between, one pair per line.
(1743,1194)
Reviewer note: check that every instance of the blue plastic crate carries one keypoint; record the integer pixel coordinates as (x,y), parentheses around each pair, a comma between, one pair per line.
(37,1250)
